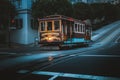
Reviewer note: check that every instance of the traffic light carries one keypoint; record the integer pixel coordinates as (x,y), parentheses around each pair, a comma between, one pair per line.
(12,23)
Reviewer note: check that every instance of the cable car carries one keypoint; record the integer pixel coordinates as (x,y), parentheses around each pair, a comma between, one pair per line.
(63,31)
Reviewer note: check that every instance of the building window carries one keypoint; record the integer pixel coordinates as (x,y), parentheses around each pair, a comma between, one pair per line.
(17,3)
(33,1)
(34,24)
(16,23)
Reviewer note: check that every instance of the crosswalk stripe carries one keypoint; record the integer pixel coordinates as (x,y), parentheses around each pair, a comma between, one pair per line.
(54,75)
(70,75)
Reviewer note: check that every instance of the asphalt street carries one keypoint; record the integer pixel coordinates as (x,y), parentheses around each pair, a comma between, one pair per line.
(99,61)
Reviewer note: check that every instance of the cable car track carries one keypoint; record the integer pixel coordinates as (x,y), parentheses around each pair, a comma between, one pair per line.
(105,34)
(57,60)
(43,64)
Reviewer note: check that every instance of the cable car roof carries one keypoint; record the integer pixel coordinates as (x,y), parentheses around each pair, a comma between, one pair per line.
(58,17)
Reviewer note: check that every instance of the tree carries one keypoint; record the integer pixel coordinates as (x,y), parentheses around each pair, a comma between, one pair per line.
(118,11)
(97,10)
(43,8)
(110,11)
(82,11)
(7,12)
(63,7)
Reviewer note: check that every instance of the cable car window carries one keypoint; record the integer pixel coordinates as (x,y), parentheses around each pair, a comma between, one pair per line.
(42,26)
(75,27)
(49,25)
(56,25)
(78,28)
(84,28)
(81,27)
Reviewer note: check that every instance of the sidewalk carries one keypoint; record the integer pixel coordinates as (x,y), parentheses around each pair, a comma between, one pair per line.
(15,47)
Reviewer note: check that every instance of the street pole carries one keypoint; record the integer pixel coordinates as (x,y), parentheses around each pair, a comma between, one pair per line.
(9,34)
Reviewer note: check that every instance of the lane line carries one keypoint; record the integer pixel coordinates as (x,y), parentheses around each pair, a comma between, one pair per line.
(91,55)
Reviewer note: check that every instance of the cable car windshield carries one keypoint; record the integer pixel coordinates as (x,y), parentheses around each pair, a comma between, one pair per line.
(53,25)
(56,25)
(49,26)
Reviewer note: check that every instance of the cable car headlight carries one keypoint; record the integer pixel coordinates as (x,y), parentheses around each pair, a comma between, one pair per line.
(49,38)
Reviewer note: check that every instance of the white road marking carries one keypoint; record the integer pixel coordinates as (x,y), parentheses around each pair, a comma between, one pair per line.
(72,55)
(23,71)
(91,55)
(52,78)
(100,55)
(70,75)
(116,41)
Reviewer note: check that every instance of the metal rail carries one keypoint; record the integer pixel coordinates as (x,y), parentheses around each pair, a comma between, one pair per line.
(44,63)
